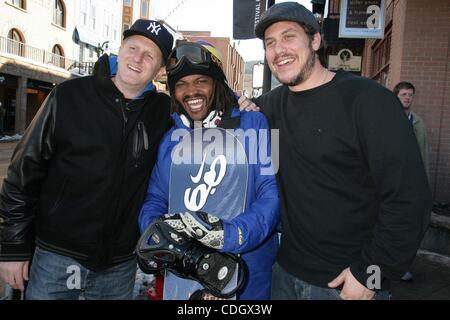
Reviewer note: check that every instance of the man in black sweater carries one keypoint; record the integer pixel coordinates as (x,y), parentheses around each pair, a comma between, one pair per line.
(355,201)
(78,177)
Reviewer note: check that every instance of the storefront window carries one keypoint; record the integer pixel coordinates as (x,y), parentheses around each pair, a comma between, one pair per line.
(381,51)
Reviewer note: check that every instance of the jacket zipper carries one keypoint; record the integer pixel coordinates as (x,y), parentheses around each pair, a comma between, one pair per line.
(140,141)
(124,117)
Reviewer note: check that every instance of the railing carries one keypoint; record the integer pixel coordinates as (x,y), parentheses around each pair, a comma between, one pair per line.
(82,68)
(38,55)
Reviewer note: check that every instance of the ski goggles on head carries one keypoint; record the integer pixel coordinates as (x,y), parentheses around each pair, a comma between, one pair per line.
(197,55)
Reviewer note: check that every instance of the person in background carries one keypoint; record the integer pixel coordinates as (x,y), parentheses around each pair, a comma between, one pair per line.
(405,91)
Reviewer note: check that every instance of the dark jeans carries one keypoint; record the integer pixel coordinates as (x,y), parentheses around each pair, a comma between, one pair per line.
(287,287)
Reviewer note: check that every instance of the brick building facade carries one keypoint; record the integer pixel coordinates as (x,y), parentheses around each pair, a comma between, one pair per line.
(416,48)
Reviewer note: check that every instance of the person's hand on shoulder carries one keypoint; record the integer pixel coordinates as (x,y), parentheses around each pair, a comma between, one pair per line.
(245,104)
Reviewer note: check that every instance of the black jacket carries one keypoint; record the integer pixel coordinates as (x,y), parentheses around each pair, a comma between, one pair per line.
(79,174)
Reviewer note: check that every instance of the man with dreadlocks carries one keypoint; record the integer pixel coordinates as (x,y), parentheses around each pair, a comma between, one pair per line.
(201,98)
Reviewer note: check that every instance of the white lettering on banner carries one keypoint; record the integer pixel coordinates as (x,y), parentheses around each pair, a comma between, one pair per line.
(74,280)
(195,199)
(257,11)
(373,21)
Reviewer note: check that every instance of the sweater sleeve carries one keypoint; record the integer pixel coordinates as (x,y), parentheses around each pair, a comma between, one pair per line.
(252,227)
(21,188)
(394,162)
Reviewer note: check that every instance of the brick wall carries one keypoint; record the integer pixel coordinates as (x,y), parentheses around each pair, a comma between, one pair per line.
(425,61)
(398,32)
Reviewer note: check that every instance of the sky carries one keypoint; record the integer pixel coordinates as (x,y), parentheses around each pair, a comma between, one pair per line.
(209,15)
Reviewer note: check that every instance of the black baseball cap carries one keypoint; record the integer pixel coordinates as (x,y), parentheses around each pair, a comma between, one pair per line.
(155,31)
(286,11)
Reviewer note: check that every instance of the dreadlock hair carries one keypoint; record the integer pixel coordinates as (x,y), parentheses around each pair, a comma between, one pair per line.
(222,99)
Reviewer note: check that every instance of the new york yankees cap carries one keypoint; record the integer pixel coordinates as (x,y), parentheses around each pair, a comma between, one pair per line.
(286,11)
(155,31)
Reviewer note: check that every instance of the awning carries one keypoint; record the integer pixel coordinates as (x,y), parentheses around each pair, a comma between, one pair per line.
(85,36)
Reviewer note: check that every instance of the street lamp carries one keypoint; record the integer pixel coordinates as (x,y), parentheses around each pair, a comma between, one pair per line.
(102,48)
(257,79)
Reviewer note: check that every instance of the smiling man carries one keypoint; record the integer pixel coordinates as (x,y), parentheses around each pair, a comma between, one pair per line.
(79,174)
(201,98)
(355,201)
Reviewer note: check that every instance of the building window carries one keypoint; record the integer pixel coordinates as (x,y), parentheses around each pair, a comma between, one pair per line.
(127,3)
(15,43)
(58,13)
(83,11)
(106,31)
(109,23)
(381,51)
(18,3)
(92,18)
(58,56)
(144,9)
(57,50)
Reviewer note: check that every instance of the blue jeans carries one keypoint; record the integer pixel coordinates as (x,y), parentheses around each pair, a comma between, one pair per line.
(287,287)
(57,277)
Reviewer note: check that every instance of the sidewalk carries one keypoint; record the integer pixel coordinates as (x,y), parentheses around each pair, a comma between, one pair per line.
(431,282)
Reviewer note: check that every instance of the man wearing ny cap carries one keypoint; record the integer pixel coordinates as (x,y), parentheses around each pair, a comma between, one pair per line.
(79,175)
(355,200)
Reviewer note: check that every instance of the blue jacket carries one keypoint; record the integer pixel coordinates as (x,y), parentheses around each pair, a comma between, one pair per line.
(259,245)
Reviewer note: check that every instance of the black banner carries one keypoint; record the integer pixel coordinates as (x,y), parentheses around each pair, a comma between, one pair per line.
(246,14)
